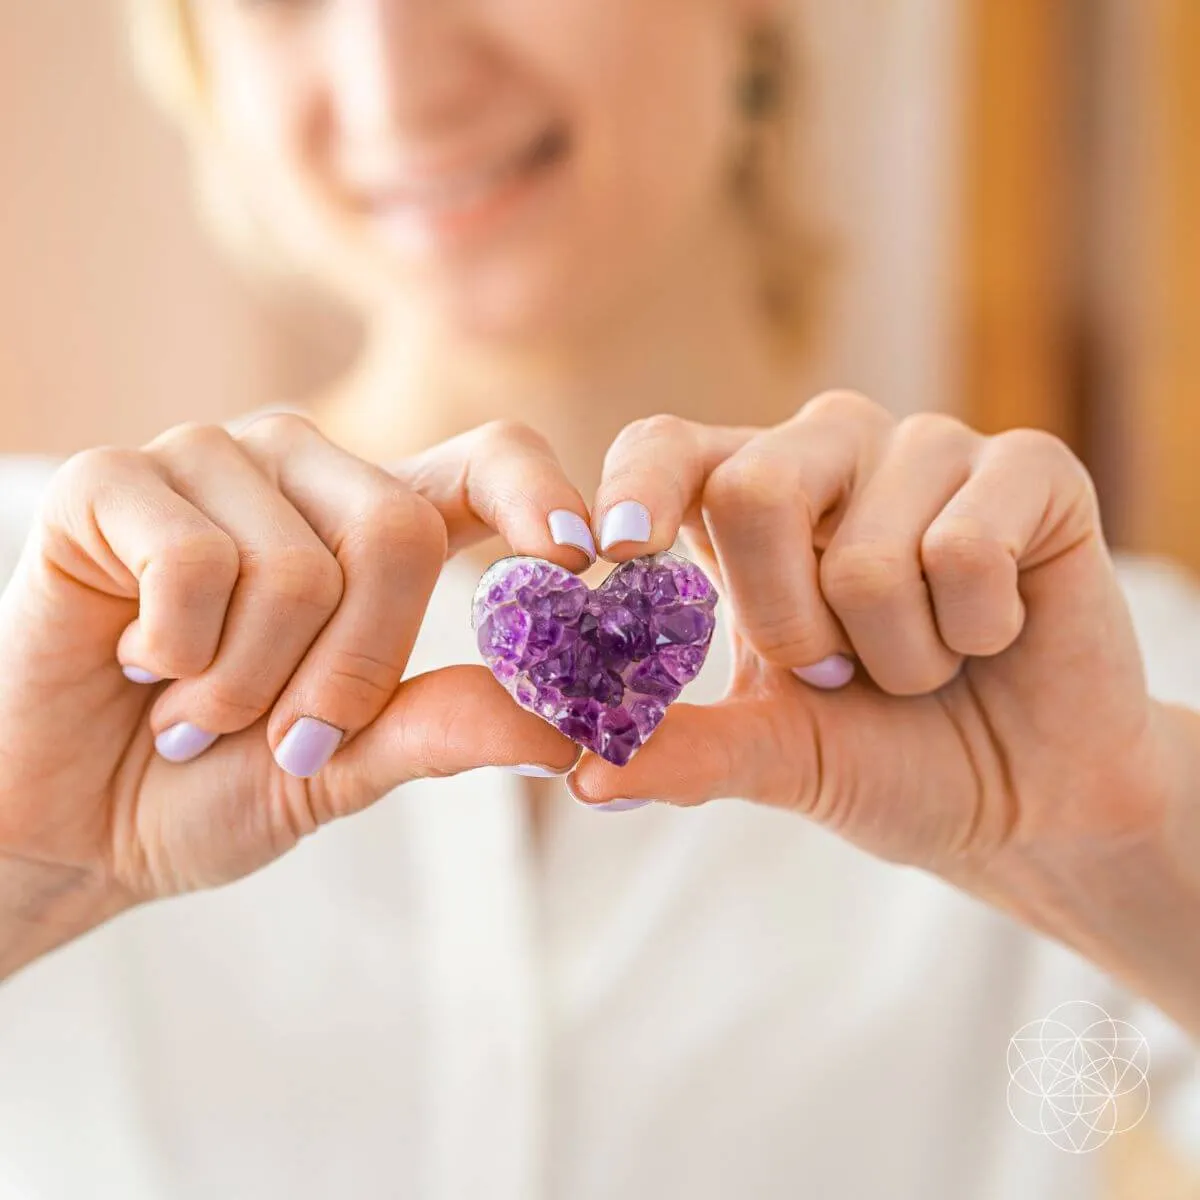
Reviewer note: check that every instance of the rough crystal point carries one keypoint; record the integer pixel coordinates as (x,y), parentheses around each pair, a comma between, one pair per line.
(600,666)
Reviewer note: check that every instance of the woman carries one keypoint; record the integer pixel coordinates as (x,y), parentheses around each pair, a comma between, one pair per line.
(559,220)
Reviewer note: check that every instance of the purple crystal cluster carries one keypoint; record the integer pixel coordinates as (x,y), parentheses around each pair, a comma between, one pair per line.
(601,666)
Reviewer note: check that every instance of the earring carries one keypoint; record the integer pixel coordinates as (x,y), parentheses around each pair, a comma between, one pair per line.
(758,87)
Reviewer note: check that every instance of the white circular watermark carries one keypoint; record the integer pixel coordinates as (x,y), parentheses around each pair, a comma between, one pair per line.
(1077,1076)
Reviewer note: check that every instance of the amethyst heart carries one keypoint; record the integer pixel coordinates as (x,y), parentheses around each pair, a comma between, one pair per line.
(601,666)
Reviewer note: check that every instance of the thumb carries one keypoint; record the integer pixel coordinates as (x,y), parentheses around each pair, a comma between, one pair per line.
(750,749)
(443,722)
(894,776)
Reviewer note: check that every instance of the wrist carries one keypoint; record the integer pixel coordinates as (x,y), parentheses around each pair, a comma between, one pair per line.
(1126,898)
(44,906)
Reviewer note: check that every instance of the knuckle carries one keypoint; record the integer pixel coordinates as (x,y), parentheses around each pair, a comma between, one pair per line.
(1038,444)
(429,532)
(983,638)
(428,744)
(232,704)
(746,483)
(95,467)
(362,680)
(192,435)
(175,658)
(933,427)
(864,575)
(458,728)
(298,576)
(507,431)
(400,520)
(847,405)
(960,548)
(440,744)
(196,569)
(659,427)
(276,428)
(194,574)
(1049,453)
(786,640)
(789,733)
(920,679)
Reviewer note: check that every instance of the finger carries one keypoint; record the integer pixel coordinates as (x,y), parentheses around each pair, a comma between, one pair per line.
(390,544)
(819,757)
(653,474)
(288,586)
(762,508)
(440,723)
(504,478)
(1023,484)
(237,810)
(872,571)
(750,749)
(116,526)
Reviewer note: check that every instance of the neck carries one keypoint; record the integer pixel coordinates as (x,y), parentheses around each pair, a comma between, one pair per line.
(696,347)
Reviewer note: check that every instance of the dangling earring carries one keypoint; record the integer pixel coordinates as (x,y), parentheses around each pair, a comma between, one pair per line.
(758,97)
(761,180)
(758,86)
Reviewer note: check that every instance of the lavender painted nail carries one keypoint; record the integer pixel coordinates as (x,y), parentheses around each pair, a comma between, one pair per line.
(618,805)
(182,742)
(829,674)
(139,674)
(307,747)
(570,529)
(536,771)
(628,521)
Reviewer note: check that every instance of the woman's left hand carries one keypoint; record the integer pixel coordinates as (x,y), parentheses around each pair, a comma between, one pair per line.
(997,709)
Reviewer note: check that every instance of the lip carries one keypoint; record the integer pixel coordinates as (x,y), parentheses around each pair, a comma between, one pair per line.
(430,209)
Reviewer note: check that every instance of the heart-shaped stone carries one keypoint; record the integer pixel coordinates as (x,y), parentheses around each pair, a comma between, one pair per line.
(601,666)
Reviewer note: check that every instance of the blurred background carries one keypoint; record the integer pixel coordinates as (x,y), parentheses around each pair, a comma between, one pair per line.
(1014,186)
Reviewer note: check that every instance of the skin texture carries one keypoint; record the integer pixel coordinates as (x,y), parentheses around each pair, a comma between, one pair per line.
(997,730)
(998,733)
(262,577)
(331,108)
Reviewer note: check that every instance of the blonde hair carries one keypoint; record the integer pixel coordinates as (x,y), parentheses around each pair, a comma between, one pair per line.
(165,54)
(792,261)
(168,63)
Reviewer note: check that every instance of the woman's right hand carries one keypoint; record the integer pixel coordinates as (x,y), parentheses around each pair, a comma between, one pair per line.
(276,584)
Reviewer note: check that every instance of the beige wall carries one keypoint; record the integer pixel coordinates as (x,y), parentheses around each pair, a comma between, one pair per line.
(116,318)
(887,107)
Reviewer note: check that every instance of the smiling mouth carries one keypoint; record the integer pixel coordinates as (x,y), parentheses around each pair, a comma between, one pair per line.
(458,195)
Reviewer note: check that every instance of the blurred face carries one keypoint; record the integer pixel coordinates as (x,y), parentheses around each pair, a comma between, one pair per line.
(509,165)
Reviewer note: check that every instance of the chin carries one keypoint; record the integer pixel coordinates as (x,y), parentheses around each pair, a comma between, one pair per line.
(532,301)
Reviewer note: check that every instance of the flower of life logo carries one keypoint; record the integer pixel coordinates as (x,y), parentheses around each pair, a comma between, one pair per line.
(1077,1076)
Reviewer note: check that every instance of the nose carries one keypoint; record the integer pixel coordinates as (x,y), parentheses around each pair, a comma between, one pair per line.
(401,65)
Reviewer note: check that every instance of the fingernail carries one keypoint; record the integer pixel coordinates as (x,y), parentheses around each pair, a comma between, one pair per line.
(307,747)
(534,771)
(181,742)
(570,529)
(139,674)
(617,805)
(628,521)
(833,672)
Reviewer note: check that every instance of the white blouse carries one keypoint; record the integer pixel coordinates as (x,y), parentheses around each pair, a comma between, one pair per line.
(711,1003)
